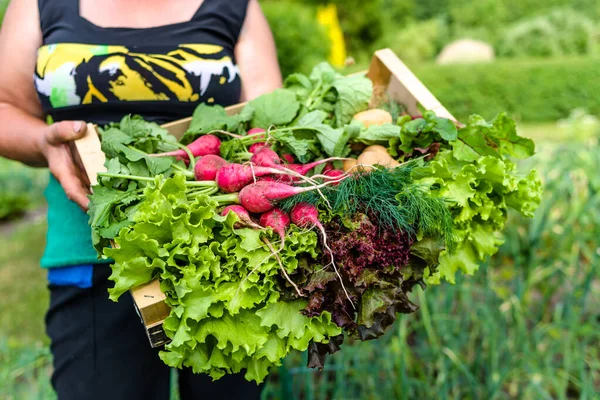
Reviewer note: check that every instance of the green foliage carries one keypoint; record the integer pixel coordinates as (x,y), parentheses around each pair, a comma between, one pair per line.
(24,371)
(221,283)
(481,183)
(21,188)
(561,32)
(525,326)
(301,41)
(416,42)
(529,90)
(3,6)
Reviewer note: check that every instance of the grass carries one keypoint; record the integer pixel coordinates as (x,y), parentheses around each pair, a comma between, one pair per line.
(24,296)
(526,326)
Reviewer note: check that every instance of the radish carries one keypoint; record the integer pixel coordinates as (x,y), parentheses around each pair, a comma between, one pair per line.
(262,196)
(256,147)
(288,158)
(206,169)
(242,214)
(276,219)
(246,222)
(328,167)
(265,157)
(306,215)
(336,174)
(204,145)
(233,177)
(254,131)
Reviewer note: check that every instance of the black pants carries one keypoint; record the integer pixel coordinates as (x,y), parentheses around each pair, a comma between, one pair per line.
(101,351)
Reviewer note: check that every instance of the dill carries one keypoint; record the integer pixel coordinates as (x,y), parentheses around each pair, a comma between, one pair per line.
(391,196)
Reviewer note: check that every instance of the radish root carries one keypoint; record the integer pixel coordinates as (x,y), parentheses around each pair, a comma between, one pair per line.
(333,264)
(276,254)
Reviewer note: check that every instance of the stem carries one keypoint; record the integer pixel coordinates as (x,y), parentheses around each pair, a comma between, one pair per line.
(201,184)
(227,198)
(309,102)
(123,176)
(188,152)
(184,171)
(202,191)
(233,135)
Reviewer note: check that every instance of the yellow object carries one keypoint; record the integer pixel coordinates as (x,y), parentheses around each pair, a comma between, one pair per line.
(349,164)
(376,148)
(374,117)
(328,18)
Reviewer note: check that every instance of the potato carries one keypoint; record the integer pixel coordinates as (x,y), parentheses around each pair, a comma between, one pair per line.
(372,158)
(348,164)
(376,148)
(374,117)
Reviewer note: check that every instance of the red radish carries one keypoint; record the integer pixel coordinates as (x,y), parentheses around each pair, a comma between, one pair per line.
(204,145)
(206,169)
(232,177)
(245,220)
(256,147)
(265,157)
(256,131)
(276,219)
(262,196)
(336,174)
(307,216)
(328,167)
(288,158)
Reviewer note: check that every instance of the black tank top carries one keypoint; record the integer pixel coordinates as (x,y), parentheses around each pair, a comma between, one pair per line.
(85,72)
(98,75)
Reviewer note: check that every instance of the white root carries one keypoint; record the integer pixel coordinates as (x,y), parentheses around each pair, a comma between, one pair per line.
(276,254)
(333,264)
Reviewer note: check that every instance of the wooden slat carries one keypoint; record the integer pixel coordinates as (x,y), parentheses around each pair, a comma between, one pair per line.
(90,153)
(403,86)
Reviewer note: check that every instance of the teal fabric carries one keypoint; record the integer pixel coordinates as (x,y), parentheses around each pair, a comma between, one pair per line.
(69,238)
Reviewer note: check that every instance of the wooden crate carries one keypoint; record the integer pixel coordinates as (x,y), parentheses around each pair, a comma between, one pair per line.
(390,77)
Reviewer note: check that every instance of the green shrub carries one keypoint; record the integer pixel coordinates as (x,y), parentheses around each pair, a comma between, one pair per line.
(530,90)
(3,5)
(21,188)
(560,32)
(301,41)
(418,42)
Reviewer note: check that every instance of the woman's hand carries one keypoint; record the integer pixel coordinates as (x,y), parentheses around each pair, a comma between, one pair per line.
(55,148)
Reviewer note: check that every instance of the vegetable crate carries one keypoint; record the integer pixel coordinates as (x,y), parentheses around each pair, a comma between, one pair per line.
(391,78)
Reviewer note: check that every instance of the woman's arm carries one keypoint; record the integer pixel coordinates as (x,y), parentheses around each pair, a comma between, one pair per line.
(24,136)
(256,55)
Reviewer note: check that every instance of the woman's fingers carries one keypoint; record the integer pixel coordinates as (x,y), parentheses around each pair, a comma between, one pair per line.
(60,161)
(65,131)
(64,170)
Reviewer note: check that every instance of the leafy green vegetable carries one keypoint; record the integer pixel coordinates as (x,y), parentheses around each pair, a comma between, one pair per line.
(353,96)
(227,314)
(212,118)
(378,134)
(277,108)
(482,183)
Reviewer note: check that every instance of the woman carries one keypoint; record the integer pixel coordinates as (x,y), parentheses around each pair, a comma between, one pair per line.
(85,60)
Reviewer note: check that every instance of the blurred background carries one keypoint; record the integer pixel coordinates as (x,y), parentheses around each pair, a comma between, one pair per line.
(527,326)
